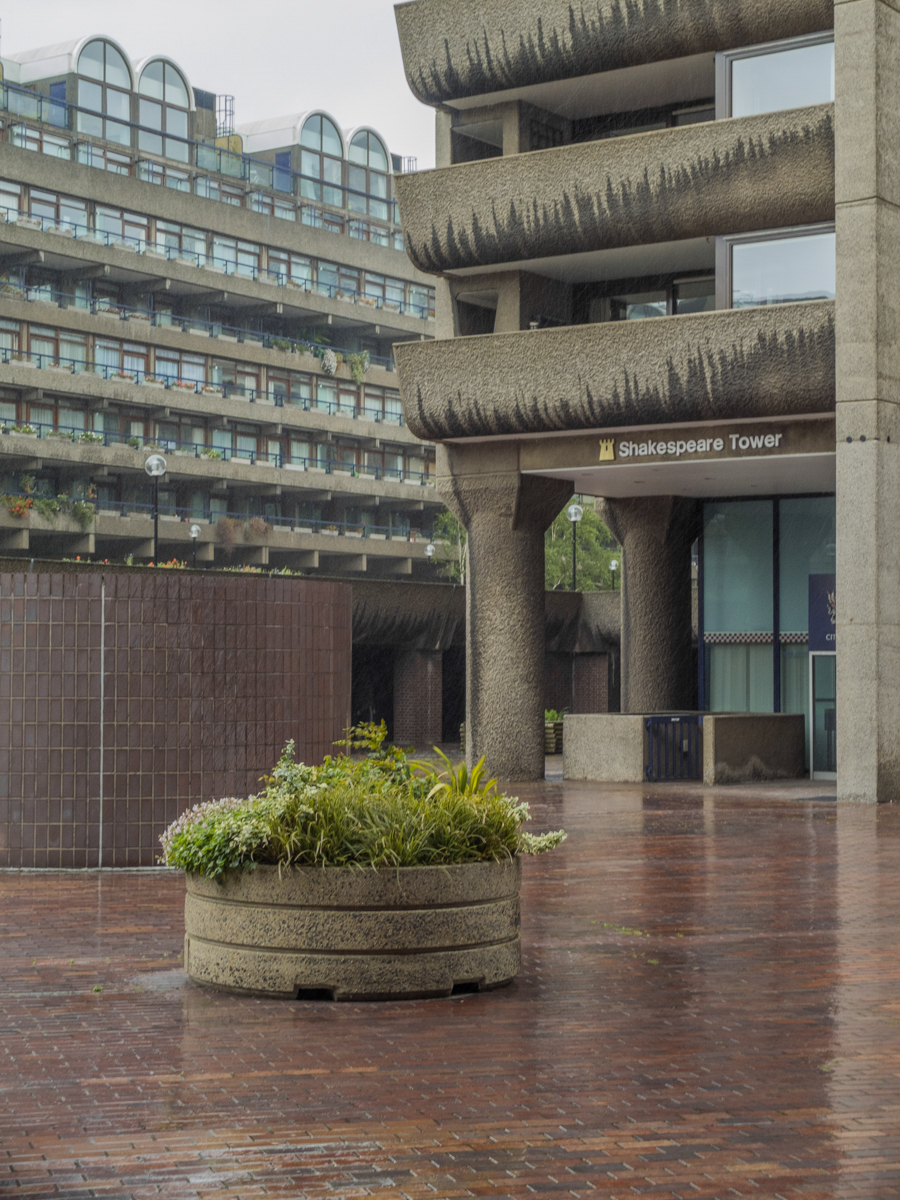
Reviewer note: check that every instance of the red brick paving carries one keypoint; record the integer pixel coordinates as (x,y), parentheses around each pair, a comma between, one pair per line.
(709,1008)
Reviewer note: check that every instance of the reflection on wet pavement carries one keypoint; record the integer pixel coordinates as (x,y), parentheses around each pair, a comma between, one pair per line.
(709,1007)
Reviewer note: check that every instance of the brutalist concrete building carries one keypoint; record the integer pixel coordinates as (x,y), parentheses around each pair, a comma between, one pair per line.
(227,298)
(664,237)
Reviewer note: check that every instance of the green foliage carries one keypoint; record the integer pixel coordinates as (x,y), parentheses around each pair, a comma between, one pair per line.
(460,782)
(374,810)
(450,557)
(358,364)
(596,547)
(550,714)
(46,507)
(82,512)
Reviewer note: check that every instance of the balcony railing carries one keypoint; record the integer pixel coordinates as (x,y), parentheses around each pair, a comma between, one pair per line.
(281,459)
(299,525)
(176,383)
(164,319)
(224,266)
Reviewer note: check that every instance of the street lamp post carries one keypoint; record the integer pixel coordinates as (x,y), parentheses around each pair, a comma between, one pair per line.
(155,466)
(195,533)
(613,567)
(429,551)
(574,512)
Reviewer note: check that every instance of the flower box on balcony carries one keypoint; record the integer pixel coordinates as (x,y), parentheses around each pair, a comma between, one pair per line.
(211,391)
(140,316)
(61,367)
(184,387)
(21,361)
(28,222)
(215,268)
(378,537)
(302,529)
(122,377)
(331,531)
(154,383)
(353,533)
(152,252)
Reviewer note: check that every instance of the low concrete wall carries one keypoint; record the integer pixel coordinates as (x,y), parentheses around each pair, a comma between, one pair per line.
(739,747)
(735,747)
(605,746)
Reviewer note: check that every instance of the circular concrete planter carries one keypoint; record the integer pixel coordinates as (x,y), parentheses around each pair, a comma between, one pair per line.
(355,934)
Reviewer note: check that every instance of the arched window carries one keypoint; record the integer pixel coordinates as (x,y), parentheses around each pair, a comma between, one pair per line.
(104,89)
(321,161)
(163,111)
(368,176)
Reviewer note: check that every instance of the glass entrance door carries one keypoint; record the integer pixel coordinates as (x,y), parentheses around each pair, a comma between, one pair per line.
(823,715)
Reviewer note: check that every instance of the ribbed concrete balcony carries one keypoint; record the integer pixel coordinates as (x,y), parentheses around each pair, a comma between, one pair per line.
(755,362)
(458,48)
(734,176)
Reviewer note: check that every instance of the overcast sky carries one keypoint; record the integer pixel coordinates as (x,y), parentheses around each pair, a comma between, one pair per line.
(273,56)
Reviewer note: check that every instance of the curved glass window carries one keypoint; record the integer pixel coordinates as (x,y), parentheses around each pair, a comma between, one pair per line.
(321,162)
(104,90)
(368,176)
(163,112)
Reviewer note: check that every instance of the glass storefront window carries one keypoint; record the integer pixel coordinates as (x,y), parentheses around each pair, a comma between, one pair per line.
(738,605)
(790,77)
(783,270)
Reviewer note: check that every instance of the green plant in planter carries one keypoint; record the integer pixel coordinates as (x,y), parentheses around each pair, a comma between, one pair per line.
(550,714)
(46,507)
(82,512)
(379,810)
(359,364)
(133,442)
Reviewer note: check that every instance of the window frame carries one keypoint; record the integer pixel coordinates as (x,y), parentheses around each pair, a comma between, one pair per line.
(725,59)
(724,258)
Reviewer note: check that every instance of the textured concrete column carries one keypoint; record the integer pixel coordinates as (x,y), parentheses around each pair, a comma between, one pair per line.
(505,515)
(867,144)
(655,533)
(418,685)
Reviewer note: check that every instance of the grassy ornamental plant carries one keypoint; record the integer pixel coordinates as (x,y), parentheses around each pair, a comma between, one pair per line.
(378,810)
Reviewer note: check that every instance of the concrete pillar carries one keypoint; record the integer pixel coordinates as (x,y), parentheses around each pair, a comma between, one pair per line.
(867,144)
(505,515)
(655,533)
(418,687)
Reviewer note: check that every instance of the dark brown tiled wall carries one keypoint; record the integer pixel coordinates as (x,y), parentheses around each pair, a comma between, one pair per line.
(418,687)
(590,683)
(187,688)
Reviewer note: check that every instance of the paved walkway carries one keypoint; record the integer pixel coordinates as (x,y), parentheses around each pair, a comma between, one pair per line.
(709,1007)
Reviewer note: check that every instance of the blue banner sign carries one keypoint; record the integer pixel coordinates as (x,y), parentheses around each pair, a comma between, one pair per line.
(822,634)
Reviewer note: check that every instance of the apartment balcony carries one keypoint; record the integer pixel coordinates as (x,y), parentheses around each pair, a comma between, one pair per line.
(738,363)
(453,51)
(74,249)
(733,176)
(117,532)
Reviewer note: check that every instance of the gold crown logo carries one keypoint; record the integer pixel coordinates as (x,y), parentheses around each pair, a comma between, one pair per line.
(607,450)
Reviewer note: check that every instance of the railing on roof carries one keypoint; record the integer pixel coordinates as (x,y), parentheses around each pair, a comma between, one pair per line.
(60,114)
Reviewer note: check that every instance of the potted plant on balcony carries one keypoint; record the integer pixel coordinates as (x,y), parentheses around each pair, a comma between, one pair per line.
(366,878)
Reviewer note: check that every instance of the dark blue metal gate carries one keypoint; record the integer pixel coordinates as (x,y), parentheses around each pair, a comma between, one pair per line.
(674,748)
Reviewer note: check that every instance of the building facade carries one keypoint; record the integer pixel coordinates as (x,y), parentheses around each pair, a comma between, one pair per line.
(663,236)
(225,297)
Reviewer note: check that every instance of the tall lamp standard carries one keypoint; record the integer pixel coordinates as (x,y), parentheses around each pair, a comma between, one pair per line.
(574,512)
(155,466)
(195,533)
(613,567)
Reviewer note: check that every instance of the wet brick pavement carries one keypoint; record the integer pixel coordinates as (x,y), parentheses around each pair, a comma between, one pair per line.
(709,1007)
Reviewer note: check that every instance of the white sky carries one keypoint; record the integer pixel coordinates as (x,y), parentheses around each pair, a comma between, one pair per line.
(273,56)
